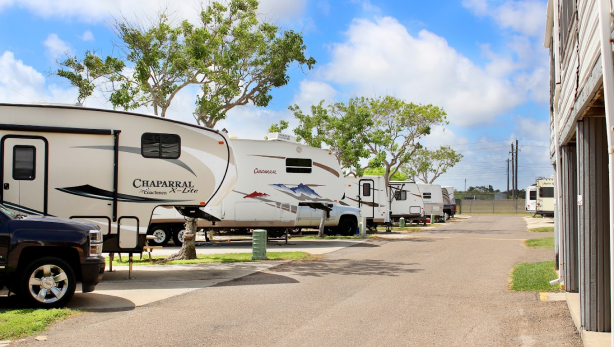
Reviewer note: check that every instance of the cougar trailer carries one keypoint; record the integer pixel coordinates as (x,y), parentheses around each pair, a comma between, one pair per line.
(406,201)
(276,176)
(111,168)
(369,193)
(545,197)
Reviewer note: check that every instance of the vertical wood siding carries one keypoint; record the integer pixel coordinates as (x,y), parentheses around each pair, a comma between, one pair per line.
(569,208)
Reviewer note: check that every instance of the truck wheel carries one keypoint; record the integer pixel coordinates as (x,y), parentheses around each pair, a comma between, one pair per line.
(347,226)
(178,237)
(48,282)
(162,235)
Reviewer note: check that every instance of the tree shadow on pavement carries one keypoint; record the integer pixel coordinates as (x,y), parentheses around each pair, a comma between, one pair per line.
(364,267)
(257,279)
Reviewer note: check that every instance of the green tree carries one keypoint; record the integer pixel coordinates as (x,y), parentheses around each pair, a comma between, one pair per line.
(278,127)
(380,171)
(87,73)
(425,163)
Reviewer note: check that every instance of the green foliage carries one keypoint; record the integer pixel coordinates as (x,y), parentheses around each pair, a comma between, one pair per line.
(278,128)
(385,130)
(380,171)
(85,74)
(533,277)
(542,230)
(425,162)
(482,189)
(24,322)
(216,258)
(546,242)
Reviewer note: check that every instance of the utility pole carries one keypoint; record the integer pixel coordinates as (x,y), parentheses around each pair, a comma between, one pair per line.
(465,184)
(508,179)
(513,190)
(516,185)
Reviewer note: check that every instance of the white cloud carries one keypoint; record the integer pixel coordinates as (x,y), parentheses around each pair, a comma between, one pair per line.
(529,128)
(87,36)
(367,6)
(312,92)
(382,58)
(55,47)
(524,16)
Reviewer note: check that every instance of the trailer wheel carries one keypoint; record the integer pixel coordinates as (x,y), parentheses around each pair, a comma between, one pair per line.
(161,233)
(275,233)
(48,282)
(347,226)
(178,237)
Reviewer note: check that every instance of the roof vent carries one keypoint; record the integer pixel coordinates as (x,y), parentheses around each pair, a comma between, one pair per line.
(281,137)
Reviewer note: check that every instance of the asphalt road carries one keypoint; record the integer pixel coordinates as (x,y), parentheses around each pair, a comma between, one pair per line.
(445,287)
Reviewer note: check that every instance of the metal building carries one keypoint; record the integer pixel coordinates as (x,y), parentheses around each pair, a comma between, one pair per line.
(579,36)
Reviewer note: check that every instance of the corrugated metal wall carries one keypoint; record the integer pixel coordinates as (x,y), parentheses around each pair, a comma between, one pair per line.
(593,224)
(569,208)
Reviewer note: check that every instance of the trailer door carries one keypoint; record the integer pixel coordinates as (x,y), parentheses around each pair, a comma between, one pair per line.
(367,197)
(24,174)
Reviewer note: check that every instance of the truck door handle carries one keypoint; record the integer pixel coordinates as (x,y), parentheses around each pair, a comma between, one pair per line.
(6,186)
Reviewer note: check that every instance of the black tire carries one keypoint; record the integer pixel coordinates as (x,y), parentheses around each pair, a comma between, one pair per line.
(347,226)
(48,282)
(162,233)
(178,236)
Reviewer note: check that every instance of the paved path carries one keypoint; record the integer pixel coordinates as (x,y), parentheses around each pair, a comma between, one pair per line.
(444,287)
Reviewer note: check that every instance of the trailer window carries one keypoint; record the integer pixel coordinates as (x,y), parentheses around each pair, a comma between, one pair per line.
(533,195)
(366,189)
(24,163)
(546,192)
(166,146)
(400,195)
(298,165)
(426,196)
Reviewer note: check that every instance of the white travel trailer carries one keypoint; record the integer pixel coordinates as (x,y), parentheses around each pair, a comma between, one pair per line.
(433,200)
(368,193)
(406,202)
(449,202)
(545,197)
(531,199)
(277,178)
(111,168)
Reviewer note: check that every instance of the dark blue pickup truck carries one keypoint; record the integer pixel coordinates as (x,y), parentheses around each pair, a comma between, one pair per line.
(43,258)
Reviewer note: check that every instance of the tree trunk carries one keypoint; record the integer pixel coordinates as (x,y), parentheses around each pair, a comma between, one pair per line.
(322,220)
(188,249)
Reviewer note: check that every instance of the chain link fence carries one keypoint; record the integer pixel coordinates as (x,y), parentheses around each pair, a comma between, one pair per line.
(490,206)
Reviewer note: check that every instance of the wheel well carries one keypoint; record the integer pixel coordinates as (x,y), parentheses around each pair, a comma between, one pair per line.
(69,255)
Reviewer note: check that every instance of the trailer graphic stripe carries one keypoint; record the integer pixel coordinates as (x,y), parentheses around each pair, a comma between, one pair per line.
(22,208)
(136,150)
(101,194)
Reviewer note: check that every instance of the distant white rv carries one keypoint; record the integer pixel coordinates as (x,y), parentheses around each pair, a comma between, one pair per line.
(281,185)
(449,202)
(531,199)
(433,200)
(406,202)
(545,197)
(369,193)
(110,168)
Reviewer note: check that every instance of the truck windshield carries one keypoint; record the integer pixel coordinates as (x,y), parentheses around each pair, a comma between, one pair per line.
(7,212)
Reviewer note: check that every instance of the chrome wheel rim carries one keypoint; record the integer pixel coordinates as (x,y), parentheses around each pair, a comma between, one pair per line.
(180,235)
(160,235)
(48,283)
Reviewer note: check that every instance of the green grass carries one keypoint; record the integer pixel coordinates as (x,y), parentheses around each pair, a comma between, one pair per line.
(19,323)
(214,258)
(546,242)
(542,229)
(529,277)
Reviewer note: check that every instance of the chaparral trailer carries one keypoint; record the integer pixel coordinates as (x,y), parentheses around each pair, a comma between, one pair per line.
(111,168)
(545,197)
(281,185)
(406,201)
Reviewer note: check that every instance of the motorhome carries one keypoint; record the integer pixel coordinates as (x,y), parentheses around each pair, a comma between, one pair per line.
(406,201)
(108,167)
(531,199)
(449,203)
(370,194)
(545,197)
(433,200)
(281,183)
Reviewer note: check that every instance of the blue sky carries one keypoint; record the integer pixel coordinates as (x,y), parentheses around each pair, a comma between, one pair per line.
(482,60)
